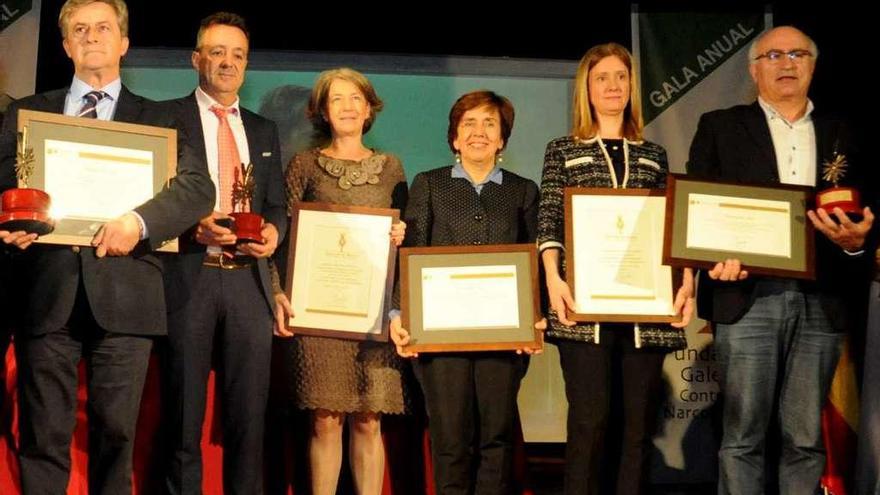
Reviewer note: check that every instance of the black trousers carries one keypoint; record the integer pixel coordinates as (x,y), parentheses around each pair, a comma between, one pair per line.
(613,392)
(471,405)
(7,317)
(48,378)
(226,308)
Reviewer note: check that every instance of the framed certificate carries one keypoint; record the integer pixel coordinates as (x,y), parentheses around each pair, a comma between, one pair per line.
(614,255)
(470,298)
(766,228)
(340,270)
(96,170)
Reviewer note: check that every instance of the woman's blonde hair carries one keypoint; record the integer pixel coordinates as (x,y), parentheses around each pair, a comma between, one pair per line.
(584,125)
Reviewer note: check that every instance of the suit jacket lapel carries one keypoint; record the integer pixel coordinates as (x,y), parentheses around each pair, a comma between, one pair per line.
(191,119)
(129,107)
(826,145)
(253,146)
(55,101)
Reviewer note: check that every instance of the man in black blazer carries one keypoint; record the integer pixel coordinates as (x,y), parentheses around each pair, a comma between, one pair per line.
(215,297)
(779,340)
(6,306)
(103,303)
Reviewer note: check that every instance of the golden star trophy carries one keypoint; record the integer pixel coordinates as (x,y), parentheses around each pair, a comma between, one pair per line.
(845,198)
(247,226)
(24,208)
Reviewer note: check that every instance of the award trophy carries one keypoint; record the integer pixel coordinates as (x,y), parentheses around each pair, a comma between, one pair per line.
(247,226)
(845,198)
(24,208)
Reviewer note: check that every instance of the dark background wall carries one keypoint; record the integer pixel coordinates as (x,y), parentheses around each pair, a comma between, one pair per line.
(462,27)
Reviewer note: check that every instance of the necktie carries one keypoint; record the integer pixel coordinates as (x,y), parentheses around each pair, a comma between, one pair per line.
(88,109)
(227,156)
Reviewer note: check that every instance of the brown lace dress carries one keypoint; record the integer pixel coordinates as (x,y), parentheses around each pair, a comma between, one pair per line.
(336,374)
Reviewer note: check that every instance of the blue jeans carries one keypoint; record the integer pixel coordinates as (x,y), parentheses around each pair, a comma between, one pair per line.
(782,351)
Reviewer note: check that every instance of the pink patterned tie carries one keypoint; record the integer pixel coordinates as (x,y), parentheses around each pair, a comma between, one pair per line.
(228,159)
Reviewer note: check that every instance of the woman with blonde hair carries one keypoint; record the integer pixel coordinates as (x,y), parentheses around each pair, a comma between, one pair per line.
(605,149)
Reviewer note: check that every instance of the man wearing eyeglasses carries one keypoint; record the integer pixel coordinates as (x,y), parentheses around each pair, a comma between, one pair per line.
(102,304)
(778,340)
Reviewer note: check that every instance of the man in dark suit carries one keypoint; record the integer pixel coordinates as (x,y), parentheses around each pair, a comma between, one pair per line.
(215,296)
(779,340)
(6,306)
(104,303)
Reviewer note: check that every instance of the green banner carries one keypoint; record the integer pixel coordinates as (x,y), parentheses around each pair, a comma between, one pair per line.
(679,51)
(11,10)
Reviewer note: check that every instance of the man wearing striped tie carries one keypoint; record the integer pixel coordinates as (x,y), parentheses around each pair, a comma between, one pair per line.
(219,290)
(104,303)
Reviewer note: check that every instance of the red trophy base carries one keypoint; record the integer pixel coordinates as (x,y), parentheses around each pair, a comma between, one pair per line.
(27,210)
(247,227)
(845,198)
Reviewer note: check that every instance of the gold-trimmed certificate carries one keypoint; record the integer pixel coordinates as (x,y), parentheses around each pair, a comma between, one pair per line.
(614,255)
(470,298)
(484,297)
(340,272)
(96,170)
(341,267)
(765,227)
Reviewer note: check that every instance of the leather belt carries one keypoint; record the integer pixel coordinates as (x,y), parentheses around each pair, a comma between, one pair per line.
(227,263)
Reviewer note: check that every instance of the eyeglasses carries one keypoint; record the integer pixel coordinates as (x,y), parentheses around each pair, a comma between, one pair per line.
(775,56)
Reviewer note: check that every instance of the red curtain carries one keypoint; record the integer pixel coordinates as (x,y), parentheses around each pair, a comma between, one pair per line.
(407,468)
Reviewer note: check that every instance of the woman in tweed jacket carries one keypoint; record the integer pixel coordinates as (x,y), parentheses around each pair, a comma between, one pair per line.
(605,149)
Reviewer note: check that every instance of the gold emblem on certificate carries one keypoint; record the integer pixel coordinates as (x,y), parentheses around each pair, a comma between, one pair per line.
(341,268)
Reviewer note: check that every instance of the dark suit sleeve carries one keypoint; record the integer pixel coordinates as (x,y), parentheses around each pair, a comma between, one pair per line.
(399,201)
(703,161)
(400,193)
(866,178)
(188,198)
(274,210)
(419,216)
(528,232)
(274,207)
(7,149)
(529,217)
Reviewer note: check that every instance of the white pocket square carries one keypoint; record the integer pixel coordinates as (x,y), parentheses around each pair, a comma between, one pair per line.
(267,153)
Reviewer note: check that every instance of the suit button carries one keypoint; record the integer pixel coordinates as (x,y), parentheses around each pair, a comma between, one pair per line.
(478,217)
(75,249)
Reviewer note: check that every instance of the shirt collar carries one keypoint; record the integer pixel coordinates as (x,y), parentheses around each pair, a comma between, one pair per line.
(79,89)
(205,101)
(458,172)
(771,112)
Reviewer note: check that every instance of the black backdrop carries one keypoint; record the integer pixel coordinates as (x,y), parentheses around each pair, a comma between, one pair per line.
(461,27)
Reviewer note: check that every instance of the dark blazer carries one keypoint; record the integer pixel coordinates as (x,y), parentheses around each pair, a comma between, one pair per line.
(735,145)
(446,211)
(265,153)
(125,293)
